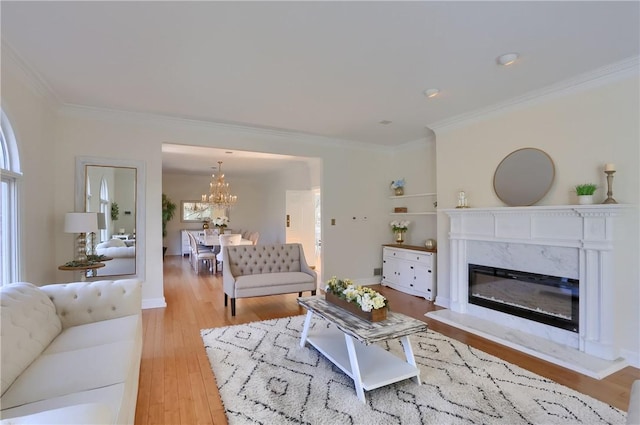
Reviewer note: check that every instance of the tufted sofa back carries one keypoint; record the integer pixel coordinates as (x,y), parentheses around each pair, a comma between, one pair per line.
(79,303)
(28,325)
(259,259)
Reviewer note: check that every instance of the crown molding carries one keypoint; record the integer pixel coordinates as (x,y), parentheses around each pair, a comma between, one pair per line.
(287,135)
(27,74)
(605,75)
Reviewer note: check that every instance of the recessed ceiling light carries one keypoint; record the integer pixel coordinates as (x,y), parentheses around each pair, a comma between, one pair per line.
(507,59)
(385,122)
(430,93)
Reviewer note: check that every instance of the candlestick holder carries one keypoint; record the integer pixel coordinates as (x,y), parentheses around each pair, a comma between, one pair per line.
(610,199)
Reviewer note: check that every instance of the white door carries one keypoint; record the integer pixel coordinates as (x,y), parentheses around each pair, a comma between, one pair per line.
(300,222)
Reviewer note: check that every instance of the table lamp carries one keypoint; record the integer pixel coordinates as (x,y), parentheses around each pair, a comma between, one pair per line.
(102,224)
(81,223)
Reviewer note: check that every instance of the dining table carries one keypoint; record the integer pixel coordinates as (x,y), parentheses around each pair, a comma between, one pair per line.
(214,240)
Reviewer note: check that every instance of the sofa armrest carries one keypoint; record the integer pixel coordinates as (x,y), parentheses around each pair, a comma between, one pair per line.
(304,267)
(80,303)
(228,279)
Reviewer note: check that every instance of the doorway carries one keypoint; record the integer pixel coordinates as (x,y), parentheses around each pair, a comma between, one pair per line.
(303,224)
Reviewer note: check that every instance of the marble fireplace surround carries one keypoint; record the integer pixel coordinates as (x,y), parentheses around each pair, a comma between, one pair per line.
(574,241)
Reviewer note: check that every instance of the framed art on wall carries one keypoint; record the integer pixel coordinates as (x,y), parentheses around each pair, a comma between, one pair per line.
(197,211)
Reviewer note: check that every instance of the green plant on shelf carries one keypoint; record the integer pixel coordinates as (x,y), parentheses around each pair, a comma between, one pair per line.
(96,258)
(586,189)
(76,263)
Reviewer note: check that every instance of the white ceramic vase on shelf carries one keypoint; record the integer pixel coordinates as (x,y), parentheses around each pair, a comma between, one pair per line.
(585,199)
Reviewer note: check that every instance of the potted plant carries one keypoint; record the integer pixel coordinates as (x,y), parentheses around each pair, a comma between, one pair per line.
(168,211)
(359,300)
(400,228)
(398,187)
(585,193)
(115,211)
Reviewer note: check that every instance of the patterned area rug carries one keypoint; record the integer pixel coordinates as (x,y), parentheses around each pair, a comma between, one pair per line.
(265,377)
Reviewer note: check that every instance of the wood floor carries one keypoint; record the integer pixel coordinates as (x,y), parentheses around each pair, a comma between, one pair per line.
(178,387)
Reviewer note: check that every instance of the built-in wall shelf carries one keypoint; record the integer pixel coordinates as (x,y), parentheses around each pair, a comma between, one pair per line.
(416,213)
(415,195)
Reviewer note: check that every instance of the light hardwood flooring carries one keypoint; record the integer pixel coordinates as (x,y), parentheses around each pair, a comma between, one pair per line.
(178,387)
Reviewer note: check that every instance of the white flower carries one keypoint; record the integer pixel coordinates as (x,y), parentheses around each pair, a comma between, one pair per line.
(220,221)
(401,225)
(366,298)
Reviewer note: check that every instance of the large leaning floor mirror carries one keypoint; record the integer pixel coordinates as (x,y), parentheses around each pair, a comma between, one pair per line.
(115,190)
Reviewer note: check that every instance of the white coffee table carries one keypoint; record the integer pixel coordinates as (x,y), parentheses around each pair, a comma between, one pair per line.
(348,343)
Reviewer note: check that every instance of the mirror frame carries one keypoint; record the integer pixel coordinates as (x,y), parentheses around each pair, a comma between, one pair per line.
(141,177)
(530,200)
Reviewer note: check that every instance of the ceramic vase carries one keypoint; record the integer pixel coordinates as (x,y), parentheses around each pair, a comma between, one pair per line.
(585,199)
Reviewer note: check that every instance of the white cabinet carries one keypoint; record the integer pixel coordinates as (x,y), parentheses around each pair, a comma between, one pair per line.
(410,270)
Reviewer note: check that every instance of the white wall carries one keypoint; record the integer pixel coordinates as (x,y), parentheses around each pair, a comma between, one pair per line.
(581,131)
(32,116)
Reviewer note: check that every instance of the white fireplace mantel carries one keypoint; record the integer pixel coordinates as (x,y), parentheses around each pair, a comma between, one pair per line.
(575,241)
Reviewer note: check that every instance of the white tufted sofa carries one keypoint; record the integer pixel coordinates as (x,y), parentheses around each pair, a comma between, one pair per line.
(259,270)
(70,352)
(123,258)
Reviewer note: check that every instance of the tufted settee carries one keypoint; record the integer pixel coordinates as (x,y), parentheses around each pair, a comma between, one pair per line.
(123,258)
(70,352)
(259,270)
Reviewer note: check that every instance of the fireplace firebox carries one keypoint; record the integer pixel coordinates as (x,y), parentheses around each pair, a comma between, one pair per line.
(546,299)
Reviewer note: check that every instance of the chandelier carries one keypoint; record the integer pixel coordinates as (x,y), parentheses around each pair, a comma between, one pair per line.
(219,195)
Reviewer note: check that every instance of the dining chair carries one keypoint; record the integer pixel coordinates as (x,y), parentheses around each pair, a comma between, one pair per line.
(226,240)
(210,237)
(200,254)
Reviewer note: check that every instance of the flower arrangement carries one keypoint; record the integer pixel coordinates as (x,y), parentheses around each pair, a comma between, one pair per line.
(397,184)
(400,226)
(220,222)
(366,298)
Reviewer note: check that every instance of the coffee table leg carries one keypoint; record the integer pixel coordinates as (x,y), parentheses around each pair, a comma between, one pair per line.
(408,353)
(355,368)
(305,329)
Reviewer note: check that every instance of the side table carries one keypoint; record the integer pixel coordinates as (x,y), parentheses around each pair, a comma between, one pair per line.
(83,269)
(349,344)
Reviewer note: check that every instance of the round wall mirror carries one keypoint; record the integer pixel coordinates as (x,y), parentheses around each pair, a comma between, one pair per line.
(524,177)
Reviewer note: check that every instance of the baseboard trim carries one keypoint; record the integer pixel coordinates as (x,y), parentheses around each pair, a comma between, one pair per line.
(153,303)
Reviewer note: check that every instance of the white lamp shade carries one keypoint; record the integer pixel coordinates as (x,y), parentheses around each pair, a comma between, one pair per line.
(80,222)
(102,221)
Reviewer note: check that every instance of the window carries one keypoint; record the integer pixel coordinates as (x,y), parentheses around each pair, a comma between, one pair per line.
(104,208)
(9,199)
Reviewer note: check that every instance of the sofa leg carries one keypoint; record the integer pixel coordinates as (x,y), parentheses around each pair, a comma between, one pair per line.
(233,306)
(313,293)
(225,300)
(299,294)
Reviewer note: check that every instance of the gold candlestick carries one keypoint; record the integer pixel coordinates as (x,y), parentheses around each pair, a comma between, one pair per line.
(610,199)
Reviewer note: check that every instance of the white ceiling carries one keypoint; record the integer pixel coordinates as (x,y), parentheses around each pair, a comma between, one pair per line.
(333,69)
